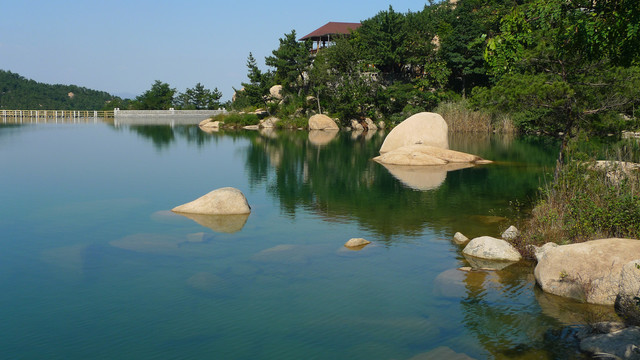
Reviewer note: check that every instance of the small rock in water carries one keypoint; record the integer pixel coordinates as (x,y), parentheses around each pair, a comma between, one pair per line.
(458,238)
(357,243)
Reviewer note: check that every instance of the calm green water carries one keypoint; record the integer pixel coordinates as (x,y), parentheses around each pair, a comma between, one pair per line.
(94,266)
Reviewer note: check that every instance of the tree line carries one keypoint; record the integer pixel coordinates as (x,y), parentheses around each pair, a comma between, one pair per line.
(20,93)
(556,66)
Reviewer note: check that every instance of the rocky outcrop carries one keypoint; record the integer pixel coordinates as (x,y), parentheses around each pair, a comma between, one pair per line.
(357,243)
(224,201)
(423,128)
(487,247)
(371,126)
(268,123)
(426,155)
(276,92)
(356,126)
(589,271)
(322,122)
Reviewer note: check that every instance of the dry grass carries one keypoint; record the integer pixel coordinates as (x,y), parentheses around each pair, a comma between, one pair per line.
(462,119)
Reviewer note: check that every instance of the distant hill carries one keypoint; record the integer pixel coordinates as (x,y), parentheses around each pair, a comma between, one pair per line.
(19,93)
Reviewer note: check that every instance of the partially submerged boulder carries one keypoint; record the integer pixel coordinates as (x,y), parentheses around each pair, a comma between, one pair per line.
(322,122)
(357,243)
(223,201)
(208,125)
(487,247)
(589,271)
(423,128)
(460,239)
(426,155)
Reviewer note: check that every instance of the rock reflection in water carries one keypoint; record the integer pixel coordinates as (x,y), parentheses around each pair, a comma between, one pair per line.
(322,137)
(424,178)
(219,223)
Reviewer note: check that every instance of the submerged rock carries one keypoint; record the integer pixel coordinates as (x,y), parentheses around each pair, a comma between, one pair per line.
(441,352)
(622,344)
(486,264)
(423,128)
(223,201)
(487,247)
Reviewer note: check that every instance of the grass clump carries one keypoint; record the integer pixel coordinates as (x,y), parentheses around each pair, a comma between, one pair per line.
(235,119)
(588,201)
(461,118)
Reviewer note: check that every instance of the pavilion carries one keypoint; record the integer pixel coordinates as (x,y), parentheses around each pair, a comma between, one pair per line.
(322,36)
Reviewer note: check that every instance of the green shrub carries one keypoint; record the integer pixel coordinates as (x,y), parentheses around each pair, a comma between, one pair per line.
(586,203)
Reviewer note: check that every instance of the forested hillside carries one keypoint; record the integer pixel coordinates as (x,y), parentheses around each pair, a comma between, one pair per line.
(19,93)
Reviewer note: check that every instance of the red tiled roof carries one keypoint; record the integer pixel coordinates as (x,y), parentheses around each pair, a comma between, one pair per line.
(333,28)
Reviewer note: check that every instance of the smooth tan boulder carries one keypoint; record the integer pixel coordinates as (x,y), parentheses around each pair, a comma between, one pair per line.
(589,271)
(209,126)
(276,92)
(409,155)
(224,201)
(487,247)
(426,155)
(357,243)
(423,128)
(460,239)
(322,122)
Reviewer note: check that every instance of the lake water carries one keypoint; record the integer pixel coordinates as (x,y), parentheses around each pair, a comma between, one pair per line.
(93,265)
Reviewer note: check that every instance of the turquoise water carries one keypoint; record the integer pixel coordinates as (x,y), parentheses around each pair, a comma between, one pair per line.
(94,265)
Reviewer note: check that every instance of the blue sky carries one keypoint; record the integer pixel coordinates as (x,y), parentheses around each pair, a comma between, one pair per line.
(123,46)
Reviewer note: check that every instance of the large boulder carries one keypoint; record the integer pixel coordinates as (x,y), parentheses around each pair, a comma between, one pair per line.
(423,128)
(589,271)
(487,247)
(425,155)
(629,292)
(223,201)
(322,122)
(276,92)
